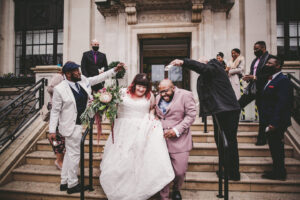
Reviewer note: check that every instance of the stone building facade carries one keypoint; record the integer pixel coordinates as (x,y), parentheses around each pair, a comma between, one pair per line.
(147,34)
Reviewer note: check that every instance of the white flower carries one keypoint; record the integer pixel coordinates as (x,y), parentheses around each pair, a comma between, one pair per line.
(105,97)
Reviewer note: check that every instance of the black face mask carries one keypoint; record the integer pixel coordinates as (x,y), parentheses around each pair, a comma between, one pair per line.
(95,48)
(268,71)
(258,53)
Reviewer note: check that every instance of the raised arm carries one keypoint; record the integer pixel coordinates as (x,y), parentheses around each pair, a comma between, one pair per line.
(193,65)
(105,75)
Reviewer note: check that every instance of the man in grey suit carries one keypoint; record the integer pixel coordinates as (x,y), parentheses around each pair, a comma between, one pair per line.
(217,98)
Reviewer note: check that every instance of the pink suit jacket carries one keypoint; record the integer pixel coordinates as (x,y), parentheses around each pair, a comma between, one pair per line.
(180,114)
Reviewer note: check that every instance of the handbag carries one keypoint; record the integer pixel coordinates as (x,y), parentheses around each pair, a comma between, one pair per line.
(45,113)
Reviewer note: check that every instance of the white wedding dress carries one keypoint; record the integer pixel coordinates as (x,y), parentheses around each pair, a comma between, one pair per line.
(137,165)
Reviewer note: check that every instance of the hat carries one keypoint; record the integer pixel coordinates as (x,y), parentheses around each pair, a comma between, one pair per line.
(69,66)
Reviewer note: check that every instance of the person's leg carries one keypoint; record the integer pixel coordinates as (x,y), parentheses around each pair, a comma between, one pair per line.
(276,145)
(229,124)
(180,165)
(261,136)
(73,154)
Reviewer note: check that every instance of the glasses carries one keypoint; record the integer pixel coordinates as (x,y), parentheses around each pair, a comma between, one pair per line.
(164,91)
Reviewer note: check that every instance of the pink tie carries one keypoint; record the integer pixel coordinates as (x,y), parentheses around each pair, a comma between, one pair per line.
(95,57)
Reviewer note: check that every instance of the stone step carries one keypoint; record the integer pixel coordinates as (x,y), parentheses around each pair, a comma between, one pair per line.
(203,149)
(196,163)
(198,136)
(49,191)
(193,181)
(199,126)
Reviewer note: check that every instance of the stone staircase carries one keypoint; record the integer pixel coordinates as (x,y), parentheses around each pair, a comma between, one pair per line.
(37,177)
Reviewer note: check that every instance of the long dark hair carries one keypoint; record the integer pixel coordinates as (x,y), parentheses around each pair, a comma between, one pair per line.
(140,79)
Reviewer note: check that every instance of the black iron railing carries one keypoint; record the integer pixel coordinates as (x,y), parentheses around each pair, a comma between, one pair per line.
(18,112)
(223,160)
(296,104)
(89,130)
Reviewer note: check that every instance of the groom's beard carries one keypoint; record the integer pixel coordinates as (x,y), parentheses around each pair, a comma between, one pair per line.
(74,78)
(170,97)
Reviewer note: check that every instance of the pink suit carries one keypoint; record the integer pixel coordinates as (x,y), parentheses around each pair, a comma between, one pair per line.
(180,114)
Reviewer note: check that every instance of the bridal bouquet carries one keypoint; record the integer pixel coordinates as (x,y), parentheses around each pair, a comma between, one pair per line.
(104,103)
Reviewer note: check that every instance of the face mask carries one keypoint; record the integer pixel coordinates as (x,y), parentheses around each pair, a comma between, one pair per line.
(258,53)
(95,48)
(269,71)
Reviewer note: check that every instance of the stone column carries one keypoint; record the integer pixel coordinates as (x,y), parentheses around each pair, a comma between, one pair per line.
(47,72)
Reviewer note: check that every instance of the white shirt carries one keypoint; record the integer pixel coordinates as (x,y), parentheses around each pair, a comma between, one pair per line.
(73,86)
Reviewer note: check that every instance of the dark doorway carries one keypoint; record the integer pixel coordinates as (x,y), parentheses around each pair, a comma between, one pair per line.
(158,51)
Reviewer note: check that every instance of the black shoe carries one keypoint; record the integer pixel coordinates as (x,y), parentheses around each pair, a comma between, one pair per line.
(274,176)
(75,189)
(176,195)
(63,187)
(260,142)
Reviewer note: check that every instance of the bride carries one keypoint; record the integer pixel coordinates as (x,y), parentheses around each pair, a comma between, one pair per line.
(137,165)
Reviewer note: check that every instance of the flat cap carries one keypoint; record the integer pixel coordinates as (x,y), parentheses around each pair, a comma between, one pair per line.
(69,66)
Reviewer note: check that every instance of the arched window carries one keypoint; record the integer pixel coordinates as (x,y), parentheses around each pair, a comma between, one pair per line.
(38,34)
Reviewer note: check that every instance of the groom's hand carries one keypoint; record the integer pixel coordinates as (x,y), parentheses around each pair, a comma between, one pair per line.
(170,133)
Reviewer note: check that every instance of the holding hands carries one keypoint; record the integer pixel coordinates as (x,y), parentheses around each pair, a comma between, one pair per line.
(169,133)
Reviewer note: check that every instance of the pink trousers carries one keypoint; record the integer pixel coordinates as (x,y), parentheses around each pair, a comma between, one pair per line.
(180,165)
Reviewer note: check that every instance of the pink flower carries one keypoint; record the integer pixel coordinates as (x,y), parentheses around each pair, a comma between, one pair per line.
(105,97)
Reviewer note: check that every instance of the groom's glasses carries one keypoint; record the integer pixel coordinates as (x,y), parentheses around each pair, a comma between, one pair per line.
(164,91)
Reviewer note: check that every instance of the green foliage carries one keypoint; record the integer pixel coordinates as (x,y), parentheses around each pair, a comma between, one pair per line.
(120,74)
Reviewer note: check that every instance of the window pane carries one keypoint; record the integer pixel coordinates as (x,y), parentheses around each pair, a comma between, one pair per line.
(60,36)
(280,42)
(49,49)
(50,37)
(28,50)
(29,37)
(280,30)
(42,37)
(60,49)
(43,49)
(36,50)
(18,38)
(36,37)
(293,42)
(17,62)
(18,51)
(293,29)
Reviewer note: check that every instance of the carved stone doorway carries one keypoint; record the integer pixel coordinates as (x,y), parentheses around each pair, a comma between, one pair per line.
(158,50)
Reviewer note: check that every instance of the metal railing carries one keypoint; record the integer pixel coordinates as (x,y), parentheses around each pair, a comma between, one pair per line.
(89,130)
(296,103)
(18,112)
(222,149)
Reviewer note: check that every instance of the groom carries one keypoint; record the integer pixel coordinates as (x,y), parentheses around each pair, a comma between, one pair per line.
(176,109)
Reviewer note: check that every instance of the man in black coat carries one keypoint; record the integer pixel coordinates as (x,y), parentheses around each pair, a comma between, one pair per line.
(93,62)
(256,81)
(276,106)
(217,98)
